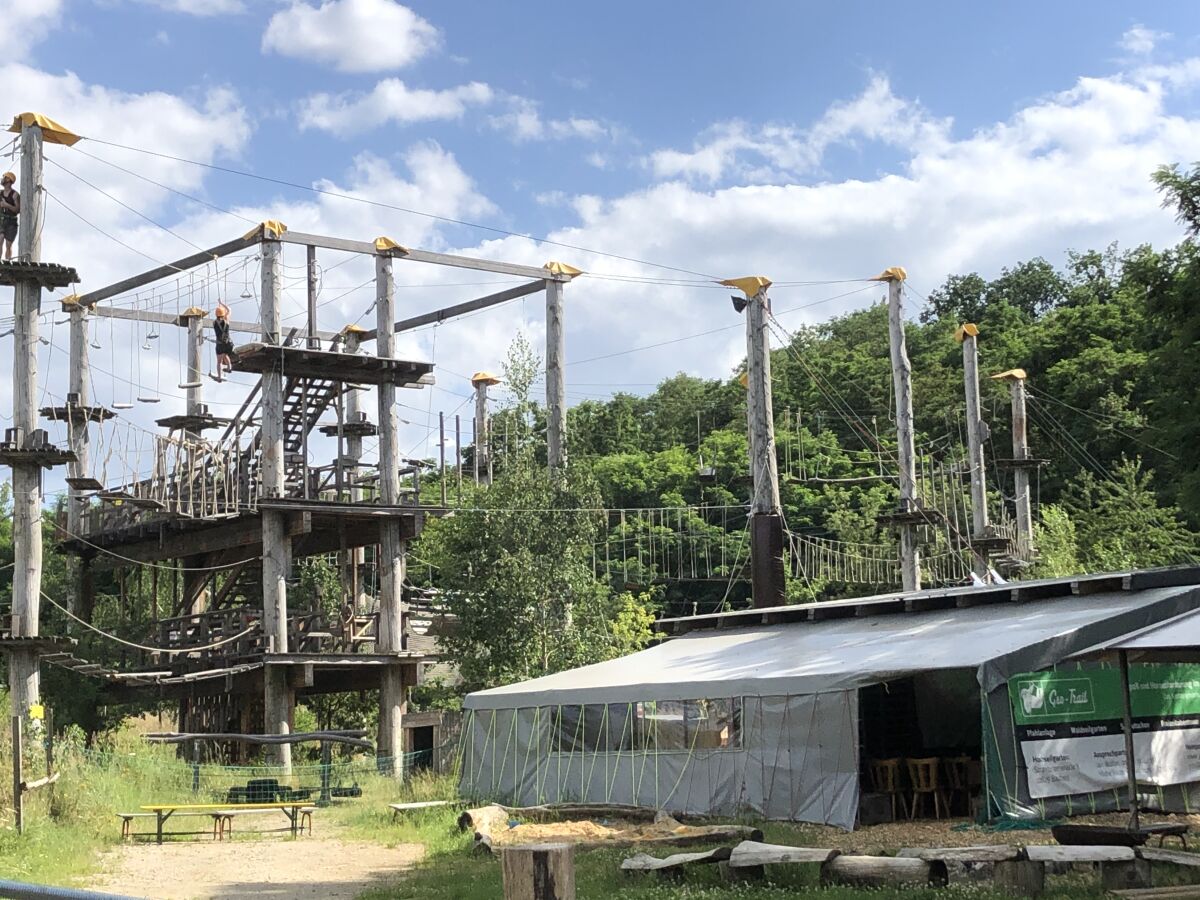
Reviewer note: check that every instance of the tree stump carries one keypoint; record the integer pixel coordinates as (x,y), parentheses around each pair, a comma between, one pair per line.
(539,872)
(1020,876)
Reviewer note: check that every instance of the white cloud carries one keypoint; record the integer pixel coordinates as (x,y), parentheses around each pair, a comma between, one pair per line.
(27,22)
(523,122)
(1141,41)
(201,8)
(781,151)
(390,101)
(351,35)
(1070,170)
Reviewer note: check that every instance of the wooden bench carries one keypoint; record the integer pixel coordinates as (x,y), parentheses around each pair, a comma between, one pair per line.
(398,808)
(128,833)
(226,816)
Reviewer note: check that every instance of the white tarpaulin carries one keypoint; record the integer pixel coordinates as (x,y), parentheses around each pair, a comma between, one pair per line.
(835,655)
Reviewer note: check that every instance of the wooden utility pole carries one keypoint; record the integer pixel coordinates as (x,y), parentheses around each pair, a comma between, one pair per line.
(556,384)
(276,558)
(483,426)
(1022,463)
(976,435)
(909,513)
(390,637)
(766,515)
(24,678)
(78,416)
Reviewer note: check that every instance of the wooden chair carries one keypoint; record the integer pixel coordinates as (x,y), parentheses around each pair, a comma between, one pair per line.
(885,779)
(923,777)
(957,772)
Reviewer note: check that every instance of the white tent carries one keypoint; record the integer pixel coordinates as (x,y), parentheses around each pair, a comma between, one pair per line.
(767,715)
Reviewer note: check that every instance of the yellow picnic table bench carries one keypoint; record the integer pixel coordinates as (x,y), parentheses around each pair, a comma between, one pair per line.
(295,811)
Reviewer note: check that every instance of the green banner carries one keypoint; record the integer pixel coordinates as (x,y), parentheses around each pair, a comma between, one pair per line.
(1156,691)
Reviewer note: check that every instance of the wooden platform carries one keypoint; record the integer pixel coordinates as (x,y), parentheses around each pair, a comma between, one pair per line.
(76,413)
(315,527)
(348,368)
(47,275)
(191,423)
(47,457)
(350,429)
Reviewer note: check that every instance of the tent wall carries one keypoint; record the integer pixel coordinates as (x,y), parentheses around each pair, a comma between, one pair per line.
(796,759)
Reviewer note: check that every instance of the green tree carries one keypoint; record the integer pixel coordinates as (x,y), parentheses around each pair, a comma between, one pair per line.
(1120,524)
(1180,190)
(516,570)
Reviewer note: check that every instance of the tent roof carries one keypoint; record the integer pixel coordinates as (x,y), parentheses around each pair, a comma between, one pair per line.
(1179,633)
(873,643)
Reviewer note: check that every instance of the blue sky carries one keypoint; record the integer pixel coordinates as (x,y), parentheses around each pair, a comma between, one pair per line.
(807,142)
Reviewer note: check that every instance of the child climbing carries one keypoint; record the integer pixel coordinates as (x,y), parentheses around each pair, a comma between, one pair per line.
(224,344)
(10,208)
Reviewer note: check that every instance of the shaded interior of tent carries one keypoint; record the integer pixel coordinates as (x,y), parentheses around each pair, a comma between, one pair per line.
(979,701)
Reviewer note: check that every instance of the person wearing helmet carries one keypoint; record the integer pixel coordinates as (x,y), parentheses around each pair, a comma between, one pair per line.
(224,343)
(10,208)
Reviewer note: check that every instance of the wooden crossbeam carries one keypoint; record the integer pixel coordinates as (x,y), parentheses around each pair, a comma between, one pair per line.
(439,259)
(460,309)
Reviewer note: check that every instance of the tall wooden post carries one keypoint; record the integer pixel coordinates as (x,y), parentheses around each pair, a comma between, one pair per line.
(276,558)
(1020,443)
(442,454)
(976,434)
(314,342)
(23,676)
(79,395)
(556,383)
(910,563)
(766,515)
(481,381)
(392,549)
(353,558)
(195,582)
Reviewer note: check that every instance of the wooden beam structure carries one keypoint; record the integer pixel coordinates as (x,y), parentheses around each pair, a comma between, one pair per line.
(425,256)
(461,309)
(179,266)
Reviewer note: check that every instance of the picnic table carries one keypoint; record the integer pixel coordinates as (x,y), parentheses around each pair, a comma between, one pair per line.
(164,811)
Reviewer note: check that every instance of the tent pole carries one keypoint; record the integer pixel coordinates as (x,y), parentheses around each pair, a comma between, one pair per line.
(1130,764)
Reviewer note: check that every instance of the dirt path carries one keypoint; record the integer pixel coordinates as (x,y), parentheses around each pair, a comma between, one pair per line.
(311,867)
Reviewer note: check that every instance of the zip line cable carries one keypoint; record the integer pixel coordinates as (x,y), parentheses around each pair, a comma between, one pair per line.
(167,651)
(390,206)
(124,205)
(158,184)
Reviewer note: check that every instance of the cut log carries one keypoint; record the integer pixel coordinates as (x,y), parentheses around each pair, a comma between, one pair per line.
(643,862)
(1179,892)
(539,872)
(752,853)
(1175,857)
(983,854)
(482,845)
(553,812)
(877,871)
(1077,853)
(714,835)
(1020,877)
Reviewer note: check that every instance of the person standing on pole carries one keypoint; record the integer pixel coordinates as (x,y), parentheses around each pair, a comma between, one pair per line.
(10,209)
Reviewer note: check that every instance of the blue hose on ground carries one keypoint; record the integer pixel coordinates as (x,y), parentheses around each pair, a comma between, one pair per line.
(18,890)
